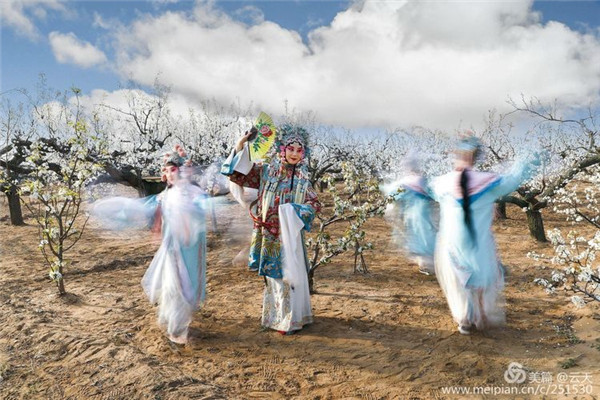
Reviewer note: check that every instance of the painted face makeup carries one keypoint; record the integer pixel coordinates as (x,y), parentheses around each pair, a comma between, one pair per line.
(294,153)
(171,173)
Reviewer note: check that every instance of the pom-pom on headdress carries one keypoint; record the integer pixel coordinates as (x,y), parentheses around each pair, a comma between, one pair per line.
(177,157)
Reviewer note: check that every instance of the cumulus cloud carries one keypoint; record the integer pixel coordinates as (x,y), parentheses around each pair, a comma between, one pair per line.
(20,14)
(68,49)
(123,99)
(118,99)
(379,63)
(250,14)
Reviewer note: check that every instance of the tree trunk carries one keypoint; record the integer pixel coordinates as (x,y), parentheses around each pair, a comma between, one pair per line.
(61,286)
(362,266)
(322,186)
(151,186)
(536,225)
(501,210)
(311,284)
(123,174)
(60,283)
(14,207)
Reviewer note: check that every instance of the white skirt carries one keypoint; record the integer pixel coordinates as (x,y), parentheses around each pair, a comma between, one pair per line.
(286,308)
(286,302)
(167,284)
(481,306)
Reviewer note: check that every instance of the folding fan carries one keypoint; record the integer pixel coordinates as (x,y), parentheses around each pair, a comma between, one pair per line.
(264,138)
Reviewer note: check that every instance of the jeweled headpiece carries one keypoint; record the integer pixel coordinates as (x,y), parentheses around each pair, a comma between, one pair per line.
(289,134)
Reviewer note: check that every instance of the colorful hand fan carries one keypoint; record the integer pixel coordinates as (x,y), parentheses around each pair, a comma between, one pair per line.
(265,136)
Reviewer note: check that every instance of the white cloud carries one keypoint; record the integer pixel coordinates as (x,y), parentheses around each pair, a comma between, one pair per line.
(19,14)
(250,14)
(100,22)
(118,99)
(379,63)
(68,49)
(124,99)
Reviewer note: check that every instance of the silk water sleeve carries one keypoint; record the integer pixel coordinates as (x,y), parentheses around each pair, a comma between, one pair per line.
(294,263)
(519,173)
(237,162)
(118,213)
(242,172)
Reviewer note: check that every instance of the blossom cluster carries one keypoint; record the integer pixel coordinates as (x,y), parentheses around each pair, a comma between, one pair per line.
(576,269)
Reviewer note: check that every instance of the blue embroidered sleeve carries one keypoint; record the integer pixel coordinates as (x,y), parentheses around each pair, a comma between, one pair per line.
(306,213)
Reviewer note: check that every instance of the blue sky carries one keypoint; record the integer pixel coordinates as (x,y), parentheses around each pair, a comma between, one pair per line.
(27,53)
(579,15)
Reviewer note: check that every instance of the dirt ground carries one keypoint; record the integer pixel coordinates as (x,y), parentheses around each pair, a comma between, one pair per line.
(385,335)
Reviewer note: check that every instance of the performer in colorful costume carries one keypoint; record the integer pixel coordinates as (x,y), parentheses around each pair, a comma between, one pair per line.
(176,277)
(286,205)
(418,231)
(466,263)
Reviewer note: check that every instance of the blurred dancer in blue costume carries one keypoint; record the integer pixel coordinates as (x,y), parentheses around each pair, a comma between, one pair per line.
(286,205)
(176,277)
(466,263)
(416,208)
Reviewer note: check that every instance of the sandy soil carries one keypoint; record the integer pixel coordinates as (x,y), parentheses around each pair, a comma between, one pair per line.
(384,335)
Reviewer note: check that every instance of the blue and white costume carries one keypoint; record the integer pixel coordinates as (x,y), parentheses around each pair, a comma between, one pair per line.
(466,263)
(176,277)
(419,231)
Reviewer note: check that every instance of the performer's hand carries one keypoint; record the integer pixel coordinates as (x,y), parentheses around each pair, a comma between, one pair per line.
(243,139)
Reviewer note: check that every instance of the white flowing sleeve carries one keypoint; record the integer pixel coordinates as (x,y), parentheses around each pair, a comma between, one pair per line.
(294,263)
(118,213)
(238,162)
